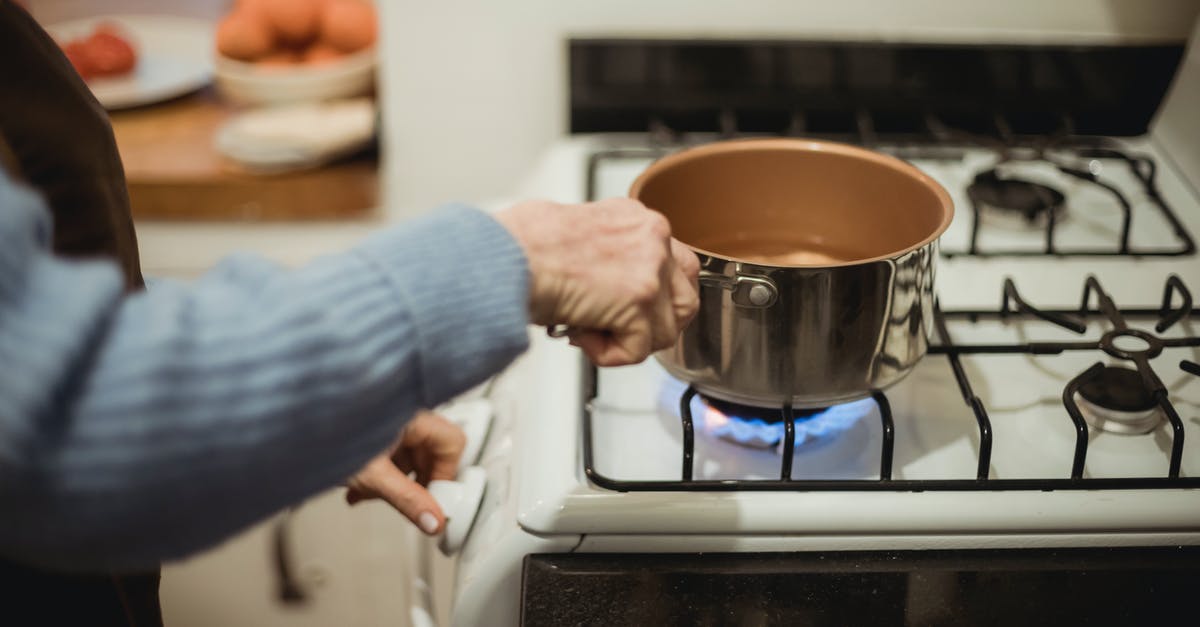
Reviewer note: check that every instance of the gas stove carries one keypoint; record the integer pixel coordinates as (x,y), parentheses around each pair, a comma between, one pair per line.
(1052,430)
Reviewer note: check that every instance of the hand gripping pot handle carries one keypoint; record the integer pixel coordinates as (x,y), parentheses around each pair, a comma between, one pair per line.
(757,292)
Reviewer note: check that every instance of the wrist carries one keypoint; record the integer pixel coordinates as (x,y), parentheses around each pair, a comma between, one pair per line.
(530,224)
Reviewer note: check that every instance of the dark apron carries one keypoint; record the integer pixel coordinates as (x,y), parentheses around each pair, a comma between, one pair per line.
(55,137)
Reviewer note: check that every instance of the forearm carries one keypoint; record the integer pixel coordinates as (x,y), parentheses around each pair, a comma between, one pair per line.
(206,407)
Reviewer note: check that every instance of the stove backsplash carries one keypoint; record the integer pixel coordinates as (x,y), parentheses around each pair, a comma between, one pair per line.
(865,91)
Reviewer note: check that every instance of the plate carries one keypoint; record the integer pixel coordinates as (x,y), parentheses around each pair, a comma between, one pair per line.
(175,57)
(297,136)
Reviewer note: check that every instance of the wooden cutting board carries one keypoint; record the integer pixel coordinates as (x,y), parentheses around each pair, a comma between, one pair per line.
(175,173)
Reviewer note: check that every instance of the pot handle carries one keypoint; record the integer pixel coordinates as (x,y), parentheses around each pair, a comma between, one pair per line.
(756,292)
(753,292)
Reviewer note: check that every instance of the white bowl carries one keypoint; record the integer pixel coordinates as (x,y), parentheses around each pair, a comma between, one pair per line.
(250,83)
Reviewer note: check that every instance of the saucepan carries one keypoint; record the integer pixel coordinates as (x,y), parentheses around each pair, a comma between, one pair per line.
(817,267)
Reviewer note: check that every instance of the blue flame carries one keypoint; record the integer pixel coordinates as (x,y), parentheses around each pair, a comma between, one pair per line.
(755,432)
(824,425)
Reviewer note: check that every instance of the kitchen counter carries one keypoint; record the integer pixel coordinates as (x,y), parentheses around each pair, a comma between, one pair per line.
(191,207)
(175,172)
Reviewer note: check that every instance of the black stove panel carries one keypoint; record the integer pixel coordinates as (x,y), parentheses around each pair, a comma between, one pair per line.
(1031,588)
(848,88)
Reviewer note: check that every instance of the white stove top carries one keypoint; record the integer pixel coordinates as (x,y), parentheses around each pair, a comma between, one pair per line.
(637,435)
(937,436)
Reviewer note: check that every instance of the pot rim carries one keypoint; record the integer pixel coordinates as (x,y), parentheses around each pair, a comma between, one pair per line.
(806,145)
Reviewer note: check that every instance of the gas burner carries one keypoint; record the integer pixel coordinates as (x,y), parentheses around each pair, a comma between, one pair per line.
(763,428)
(1116,401)
(1013,201)
(768,415)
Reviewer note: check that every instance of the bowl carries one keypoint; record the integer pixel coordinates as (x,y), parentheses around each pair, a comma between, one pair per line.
(260,84)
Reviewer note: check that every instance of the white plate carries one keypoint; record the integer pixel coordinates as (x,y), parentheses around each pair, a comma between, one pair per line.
(297,136)
(175,56)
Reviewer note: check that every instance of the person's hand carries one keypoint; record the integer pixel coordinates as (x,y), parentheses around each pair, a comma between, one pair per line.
(430,446)
(611,271)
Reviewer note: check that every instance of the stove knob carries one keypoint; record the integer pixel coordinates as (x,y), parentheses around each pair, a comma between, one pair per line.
(460,500)
(474,416)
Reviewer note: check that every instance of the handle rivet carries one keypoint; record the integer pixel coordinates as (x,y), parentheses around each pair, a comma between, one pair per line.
(759,295)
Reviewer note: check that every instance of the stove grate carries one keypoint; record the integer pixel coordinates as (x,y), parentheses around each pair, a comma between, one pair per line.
(1144,169)
(1012,306)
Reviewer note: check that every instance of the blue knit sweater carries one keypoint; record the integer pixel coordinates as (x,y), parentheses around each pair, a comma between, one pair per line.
(140,428)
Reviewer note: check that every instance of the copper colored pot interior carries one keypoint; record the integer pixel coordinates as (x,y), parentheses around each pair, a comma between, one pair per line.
(795,203)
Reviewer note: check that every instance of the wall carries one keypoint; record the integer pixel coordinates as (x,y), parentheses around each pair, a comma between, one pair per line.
(1177,128)
(51,11)
(473,90)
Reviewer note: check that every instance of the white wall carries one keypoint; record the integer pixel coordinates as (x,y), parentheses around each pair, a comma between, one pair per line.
(475,90)
(1177,128)
(51,11)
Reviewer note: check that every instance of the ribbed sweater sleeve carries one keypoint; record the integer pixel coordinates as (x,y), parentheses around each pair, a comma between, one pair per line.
(140,428)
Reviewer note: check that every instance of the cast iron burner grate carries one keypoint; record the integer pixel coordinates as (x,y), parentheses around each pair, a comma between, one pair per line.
(1134,346)
(1045,201)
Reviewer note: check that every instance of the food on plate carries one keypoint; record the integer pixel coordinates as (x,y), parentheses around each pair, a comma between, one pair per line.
(102,53)
(286,32)
(348,25)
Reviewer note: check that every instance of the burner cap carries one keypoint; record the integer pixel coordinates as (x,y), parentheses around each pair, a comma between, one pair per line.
(769,415)
(1118,389)
(1026,198)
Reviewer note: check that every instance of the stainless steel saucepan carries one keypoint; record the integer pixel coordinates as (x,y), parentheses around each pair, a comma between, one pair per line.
(817,267)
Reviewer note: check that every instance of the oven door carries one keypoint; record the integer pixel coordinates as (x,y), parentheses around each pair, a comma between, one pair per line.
(1028,588)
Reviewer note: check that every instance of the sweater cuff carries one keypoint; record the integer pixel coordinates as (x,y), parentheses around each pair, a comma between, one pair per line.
(466,282)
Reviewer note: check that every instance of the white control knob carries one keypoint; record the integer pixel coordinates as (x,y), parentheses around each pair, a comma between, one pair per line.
(460,500)
(474,416)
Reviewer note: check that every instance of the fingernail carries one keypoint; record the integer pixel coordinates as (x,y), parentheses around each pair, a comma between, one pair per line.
(428,522)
